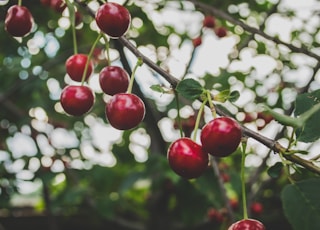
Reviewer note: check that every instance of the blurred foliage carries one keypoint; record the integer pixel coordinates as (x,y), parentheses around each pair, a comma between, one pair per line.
(76,166)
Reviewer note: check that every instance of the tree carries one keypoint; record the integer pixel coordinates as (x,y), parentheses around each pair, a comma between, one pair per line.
(265,77)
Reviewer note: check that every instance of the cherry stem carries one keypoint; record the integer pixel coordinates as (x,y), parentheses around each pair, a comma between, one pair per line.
(178,114)
(196,126)
(19,2)
(212,108)
(106,40)
(73,26)
(243,184)
(89,58)
(139,63)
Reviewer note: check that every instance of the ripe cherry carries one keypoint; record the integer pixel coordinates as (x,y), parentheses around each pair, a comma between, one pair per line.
(77,100)
(215,215)
(125,111)
(75,66)
(221,32)
(18,21)
(209,21)
(58,5)
(113,80)
(247,224)
(256,208)
(113,19)
(221,136)
(197,41)
(187,158)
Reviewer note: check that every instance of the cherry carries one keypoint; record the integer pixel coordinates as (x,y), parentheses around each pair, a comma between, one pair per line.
(256,208)
(77,100)
(18,21)
(215,216)
(209,21)
(45,2)
(113,80)
(247,224)
(113,19)
(197,41)
(221,136)
(125,111)
(75,66)
(187,158)
(58,5)
(221,32)
(187,125)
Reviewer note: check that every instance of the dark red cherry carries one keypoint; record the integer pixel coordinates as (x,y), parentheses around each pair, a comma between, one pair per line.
(113,19)
(247,224)
(187,158)
(125,111)
(75,66)
(113,80)
(221,136)
(18,21)
(77,100)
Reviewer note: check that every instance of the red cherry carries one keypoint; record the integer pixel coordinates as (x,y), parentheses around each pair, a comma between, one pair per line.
(77,100)
(215,215)
(225,177)
(18,21)
(256,208)
(187,158)
(234,203)
(221,32)
(209,21)
(75,66)
(113,80)
(113,19)
(58,5)
(247,224)
(197,41)
(45,2)
(221,136)
(78,18)
(125,111)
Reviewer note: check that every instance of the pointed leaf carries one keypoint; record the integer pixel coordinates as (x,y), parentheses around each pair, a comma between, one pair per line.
(275,170)
(301,204)
(190,89)
(305,102)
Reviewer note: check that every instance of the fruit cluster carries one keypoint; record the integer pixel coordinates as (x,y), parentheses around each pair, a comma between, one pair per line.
(124,110)
(220,138)
(209,22)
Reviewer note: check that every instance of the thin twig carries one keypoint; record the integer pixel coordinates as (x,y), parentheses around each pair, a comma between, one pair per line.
(270,143)
(253,30)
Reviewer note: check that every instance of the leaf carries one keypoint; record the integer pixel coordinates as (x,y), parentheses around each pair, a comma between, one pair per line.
(304,103)
(190,89)
(234,95)
(275,170)
(222,96)
(160,89)
(301,204)
(284,119)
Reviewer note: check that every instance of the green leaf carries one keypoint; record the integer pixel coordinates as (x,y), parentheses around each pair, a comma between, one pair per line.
(284,119)
(304,103)
(275,170)
(160,89)
(222,96)
(234,95)
(190,89)
(301,204)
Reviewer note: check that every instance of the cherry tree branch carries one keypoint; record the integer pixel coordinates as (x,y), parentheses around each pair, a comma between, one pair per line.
(253,30)
(270,143)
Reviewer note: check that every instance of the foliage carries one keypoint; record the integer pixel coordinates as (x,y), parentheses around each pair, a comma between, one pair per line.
(265,79)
